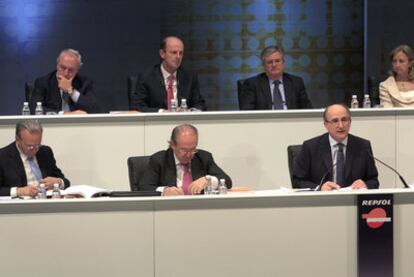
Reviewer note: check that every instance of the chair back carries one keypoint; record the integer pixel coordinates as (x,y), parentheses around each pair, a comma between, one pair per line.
(136,169)
(28,89)
(240,89)
(293,151)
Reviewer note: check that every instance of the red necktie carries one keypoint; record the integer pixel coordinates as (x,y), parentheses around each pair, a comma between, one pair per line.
(170,90)
(187,179)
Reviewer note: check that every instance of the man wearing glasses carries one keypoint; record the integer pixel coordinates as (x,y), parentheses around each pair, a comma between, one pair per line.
(273,89)
(336,159)
(63,90)
(25,163)
(181,169)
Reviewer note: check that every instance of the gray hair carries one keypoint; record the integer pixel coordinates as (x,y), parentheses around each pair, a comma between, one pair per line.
(180,129)
(409,53)
(71,52)
(270,50)
(31,125)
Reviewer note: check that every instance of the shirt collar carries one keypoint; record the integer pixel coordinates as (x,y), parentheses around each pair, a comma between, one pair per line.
(166,74)
(333,142)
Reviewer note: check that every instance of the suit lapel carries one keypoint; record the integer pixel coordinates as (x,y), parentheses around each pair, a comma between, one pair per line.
(163,90)
(56,98)
(170,177)
(349,156)
(197,169)
(265,88)
(17,164)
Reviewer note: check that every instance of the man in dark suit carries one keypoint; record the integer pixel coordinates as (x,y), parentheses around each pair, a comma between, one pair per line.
(64,90)
(169,169)
(273,89)
(25,163)
(160,84)
(336,159)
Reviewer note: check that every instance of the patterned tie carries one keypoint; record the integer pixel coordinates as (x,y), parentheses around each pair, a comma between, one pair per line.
(340,165)
(35,168)
(170,90)
(187,179)
(277,98)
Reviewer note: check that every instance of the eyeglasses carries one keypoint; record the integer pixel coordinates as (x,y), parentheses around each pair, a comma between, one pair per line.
(271,62)
(186,152)
(337,121)
(30,146)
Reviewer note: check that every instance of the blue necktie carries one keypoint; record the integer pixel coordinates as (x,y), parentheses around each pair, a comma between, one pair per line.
(277,98)
(35,168)
(340,165)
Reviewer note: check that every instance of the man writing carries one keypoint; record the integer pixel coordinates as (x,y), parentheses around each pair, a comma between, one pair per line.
(64,91)
(25,163)
(336,159)
(167,81)
(274,89)
(181,169)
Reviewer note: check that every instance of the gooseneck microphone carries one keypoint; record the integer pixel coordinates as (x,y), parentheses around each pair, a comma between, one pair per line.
(324,176)
(393,169)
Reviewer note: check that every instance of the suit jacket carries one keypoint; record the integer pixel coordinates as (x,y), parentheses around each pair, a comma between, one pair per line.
(391,96)
(315,160)
(161,169)
(12,173)
(151,94)
(46,90)
(256,94)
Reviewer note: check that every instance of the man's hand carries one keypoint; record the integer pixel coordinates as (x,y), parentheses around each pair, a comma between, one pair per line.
(27,191)
(358,184)
(49,181)
(171,191)
(64,84)
(197,186)
(75,112)
(330,186)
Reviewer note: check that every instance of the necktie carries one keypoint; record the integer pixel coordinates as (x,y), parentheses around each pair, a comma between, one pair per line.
(187,179)
(340,165)
(277,98)
(170,90)
(35,168)
(65,101)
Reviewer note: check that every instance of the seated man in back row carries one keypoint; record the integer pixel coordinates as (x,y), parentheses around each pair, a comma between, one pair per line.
(26,162)
(63,90)
(274,89)
(181,169)
(336,159)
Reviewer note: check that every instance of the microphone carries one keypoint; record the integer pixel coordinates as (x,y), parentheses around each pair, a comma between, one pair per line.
(394,170)
(324,176)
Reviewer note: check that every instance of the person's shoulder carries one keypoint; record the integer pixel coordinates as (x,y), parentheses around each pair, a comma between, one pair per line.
(292,77)
(46,78)
(82,78)
(358,140)
(255,79)
(159,155)
(203,153)
(151,70)
(315,140)
(389,81)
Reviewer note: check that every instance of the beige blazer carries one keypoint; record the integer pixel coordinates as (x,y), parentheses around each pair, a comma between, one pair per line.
(390,95)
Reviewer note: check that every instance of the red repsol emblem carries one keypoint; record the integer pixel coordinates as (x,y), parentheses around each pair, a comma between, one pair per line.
(376,218)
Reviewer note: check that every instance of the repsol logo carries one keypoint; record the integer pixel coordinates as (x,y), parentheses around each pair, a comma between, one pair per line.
(377,202)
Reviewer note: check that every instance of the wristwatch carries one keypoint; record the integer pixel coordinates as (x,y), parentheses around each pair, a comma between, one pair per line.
(70,91)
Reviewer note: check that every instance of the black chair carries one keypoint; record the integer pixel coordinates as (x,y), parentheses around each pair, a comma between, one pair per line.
(293,151)
(373,88)
(28,89)
(136,168)
(240,89)
(132,82)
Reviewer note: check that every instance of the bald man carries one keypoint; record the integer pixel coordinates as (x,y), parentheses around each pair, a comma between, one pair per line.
(168,80)
(318,163)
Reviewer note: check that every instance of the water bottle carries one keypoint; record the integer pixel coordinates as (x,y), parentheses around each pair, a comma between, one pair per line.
(26,109)
(173,107)
(367,102)
(183,107)
(42,192)
(208,189)
(39,109)
(354,102)
(222,187)
(56,191)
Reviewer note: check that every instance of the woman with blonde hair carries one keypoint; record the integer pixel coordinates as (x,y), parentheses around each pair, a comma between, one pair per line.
(398,89)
